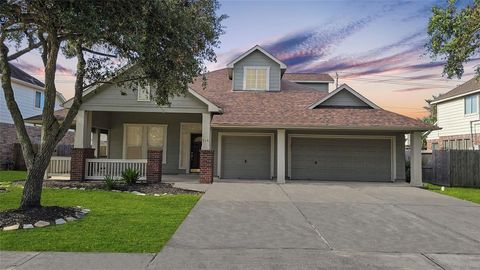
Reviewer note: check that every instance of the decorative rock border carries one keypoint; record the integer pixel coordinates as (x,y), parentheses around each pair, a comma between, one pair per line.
(79,214)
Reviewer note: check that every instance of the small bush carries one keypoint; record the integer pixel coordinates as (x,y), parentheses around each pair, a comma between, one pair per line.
(130,176)
(110,182)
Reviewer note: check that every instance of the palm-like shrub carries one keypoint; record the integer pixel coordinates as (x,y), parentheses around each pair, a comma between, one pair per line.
(109,182)
(130,176)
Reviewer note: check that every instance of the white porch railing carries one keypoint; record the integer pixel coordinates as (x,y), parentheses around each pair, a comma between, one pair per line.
(58,166)
(98,168)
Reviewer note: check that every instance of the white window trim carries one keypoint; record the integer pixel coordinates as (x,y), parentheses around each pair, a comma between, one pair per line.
(477,98)
(267,86)
(144,99)
(145,138)
(35,100)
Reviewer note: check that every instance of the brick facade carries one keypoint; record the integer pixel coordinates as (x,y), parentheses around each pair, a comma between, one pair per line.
(476,140)
(77,171)
(8,137)
(154,166)
(206,166)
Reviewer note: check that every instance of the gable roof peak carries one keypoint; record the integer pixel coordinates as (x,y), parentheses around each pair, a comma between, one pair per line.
(262,50)
(344,87)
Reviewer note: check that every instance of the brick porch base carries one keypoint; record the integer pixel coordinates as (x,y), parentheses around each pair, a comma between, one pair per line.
(206,166)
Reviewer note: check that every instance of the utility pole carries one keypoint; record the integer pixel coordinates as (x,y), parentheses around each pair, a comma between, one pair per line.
(336,79)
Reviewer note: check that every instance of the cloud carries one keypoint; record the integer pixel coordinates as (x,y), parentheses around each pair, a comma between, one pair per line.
(412,89)
(306,46)
(39,71)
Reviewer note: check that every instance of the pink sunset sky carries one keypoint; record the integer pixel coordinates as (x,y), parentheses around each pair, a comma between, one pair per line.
(377,47)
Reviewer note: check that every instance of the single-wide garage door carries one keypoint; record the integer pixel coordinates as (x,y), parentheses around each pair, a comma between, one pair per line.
(246,157)
(340,159)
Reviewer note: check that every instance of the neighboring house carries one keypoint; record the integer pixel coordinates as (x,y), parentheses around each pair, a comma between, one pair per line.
(253,120)
(29,95)
(458,116)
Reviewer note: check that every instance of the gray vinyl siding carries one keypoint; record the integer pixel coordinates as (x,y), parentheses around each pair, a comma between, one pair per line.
(172,121)
(110,98)
(318,86)
(344,98)
(257,58)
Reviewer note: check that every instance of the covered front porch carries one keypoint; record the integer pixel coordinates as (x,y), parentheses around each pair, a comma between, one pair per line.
(153,143)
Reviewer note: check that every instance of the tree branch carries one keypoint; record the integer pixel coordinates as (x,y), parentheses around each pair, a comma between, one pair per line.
(98,53)
(26,144)
(31,46)
(77,99)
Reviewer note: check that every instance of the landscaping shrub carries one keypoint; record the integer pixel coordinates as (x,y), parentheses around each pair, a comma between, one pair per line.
(110,182)
(130,176)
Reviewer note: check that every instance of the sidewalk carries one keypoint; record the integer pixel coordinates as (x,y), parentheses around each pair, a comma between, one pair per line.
(74,261)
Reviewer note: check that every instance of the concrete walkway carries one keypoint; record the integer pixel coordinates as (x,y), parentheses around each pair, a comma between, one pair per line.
(302,226)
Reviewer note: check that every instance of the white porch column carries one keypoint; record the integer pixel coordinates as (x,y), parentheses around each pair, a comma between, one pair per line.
(83,129)
(416,159)
(206,132)
(281,156)
(96,141)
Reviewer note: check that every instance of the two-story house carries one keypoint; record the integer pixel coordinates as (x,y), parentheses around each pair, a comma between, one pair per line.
(29,95)
(252,120)
(458,116)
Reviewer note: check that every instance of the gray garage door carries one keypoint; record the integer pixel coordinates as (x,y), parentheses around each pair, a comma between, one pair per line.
(246,157)
(341,159)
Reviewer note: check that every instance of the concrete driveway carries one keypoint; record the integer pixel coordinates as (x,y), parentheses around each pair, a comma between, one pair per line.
(325,226)
(302,226)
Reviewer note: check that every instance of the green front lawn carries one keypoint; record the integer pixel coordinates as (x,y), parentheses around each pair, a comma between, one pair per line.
(118,222)
(469,194)
(10,176)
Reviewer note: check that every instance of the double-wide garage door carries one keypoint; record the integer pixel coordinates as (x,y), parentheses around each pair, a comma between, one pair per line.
(344,159)
(246,157)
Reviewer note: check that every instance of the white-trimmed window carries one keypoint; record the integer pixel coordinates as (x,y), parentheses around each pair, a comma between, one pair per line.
(471,104)
(39,100)
(256,78)
(139,138)
(144,93)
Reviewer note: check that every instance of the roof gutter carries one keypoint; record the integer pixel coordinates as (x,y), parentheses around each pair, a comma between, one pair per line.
(455,97)
(379,128)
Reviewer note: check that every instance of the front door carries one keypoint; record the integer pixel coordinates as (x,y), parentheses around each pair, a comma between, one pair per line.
(195,146)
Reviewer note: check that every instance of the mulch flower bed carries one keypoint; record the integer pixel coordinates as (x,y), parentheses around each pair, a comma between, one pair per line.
(146,188)
(14,219)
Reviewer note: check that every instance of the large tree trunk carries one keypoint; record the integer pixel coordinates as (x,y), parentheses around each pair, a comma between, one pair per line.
(32,191)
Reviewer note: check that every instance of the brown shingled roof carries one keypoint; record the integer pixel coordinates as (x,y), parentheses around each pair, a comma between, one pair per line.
(23,76)
(289,108)
(465,88)
(308,77)
(37,119)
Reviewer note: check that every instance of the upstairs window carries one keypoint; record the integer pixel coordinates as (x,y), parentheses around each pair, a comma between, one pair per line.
(143,93)
(471,104)
(38,100)
(255,78)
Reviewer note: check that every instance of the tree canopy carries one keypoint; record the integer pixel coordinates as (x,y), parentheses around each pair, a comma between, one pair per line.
(167,41)
(454,35)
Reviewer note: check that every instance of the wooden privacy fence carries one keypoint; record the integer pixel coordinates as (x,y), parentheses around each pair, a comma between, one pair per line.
(63,150)
(460,168)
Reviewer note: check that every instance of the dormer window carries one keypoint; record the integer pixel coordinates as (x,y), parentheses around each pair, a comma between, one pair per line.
(144,93)
(256,77)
